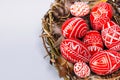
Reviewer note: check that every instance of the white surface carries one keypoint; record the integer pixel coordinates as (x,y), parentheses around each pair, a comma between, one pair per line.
(21,49)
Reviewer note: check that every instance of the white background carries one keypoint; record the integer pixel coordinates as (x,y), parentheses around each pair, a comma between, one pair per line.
(21,49)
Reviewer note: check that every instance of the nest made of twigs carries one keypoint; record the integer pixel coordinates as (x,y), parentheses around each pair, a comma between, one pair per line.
(52,37)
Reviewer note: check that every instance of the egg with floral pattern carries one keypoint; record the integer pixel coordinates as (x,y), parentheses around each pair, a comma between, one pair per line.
(100,14)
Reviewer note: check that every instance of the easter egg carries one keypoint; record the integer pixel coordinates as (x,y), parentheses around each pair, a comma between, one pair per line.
(74,50)
(105,62)
(74,28)
(111,36)
(93,41)
(81,69)
(100,14)
(79,9)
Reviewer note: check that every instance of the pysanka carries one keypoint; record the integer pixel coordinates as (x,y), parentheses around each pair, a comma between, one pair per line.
(74,28)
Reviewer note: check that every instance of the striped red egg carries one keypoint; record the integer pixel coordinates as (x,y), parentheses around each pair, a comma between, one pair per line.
(111,36)
(79,9)
(74,50)
(74,28)
(105,62)
(100,14)
(81,69)
(93,41)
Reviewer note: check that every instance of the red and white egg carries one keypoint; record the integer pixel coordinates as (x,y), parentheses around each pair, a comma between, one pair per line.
(81,69)
(100,14)
(93,41)
(74,28)
(105,62)
(79,9)
(74,50)
(111,36)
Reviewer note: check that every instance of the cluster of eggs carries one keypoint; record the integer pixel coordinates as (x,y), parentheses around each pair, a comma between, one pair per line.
(91,50)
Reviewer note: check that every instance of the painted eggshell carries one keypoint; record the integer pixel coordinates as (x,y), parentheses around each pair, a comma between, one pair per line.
(74,28)
(74,50)
(81,69)
(111,36)
(105,62)
(93,41)
(79,9)
(100,14)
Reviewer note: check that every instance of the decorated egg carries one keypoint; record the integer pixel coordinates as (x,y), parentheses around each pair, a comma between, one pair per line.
(74,28)
(100,14)
(81,69)
(74,50)
(105,62)
(79,9)
(93,41)
(111,36)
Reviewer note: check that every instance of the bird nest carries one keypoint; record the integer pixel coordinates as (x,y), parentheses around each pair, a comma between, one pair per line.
(52,37)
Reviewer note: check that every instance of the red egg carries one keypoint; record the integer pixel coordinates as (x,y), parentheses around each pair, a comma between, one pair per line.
(111,36)
(79,9)
(100,14)
(74,50)
(105,62)
(81,69)
(74,28)
(93,41)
